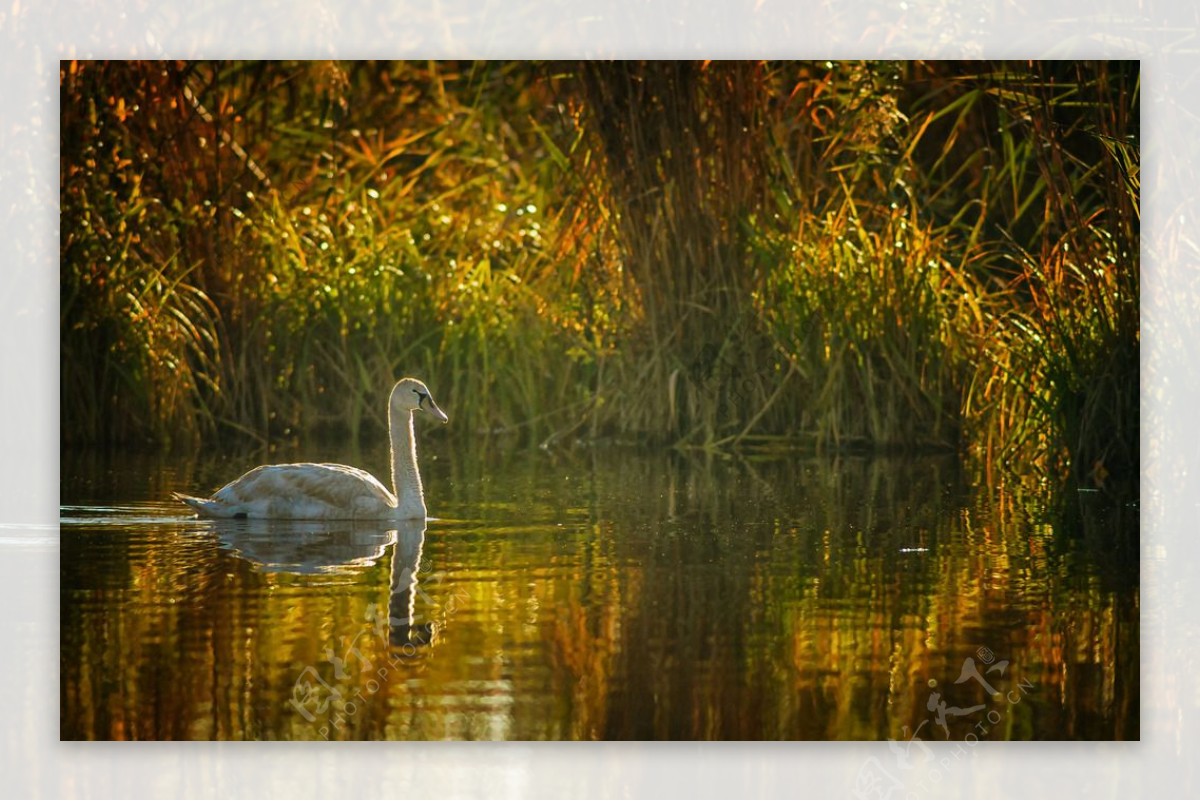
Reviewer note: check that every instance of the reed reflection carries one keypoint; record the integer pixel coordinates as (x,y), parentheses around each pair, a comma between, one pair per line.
(615,596)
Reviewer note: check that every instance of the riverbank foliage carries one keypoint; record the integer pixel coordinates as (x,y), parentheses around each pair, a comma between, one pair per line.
(850,255)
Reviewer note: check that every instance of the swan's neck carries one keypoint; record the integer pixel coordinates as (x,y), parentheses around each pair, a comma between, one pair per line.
(406,480)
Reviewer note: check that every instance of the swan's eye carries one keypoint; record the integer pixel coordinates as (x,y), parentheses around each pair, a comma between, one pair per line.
(423,397)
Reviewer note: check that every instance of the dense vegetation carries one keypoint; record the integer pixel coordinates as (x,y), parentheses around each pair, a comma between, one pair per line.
(726,254)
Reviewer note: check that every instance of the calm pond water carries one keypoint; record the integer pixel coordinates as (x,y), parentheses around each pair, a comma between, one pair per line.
(601,594)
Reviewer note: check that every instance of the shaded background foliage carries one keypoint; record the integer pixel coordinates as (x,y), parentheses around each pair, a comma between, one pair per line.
(724,254)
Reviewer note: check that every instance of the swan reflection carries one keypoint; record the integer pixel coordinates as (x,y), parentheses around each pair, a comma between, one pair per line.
(338,547)
(304,547)
(408,624)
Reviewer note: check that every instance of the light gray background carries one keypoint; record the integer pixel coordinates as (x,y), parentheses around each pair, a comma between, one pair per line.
(35,34)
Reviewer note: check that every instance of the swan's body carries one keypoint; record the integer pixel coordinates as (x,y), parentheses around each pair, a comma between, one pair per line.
(334,491)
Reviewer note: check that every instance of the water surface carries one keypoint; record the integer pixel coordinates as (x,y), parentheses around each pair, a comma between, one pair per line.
(601,594)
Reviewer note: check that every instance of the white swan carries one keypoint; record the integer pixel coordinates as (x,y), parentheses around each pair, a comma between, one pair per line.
(334,491)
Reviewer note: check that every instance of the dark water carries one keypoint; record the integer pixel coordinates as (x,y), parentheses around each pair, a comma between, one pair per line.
(602,594)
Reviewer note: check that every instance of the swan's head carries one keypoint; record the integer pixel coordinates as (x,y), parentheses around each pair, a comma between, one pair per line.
(411,395)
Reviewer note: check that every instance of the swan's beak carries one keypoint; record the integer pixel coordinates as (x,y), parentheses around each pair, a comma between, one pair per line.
(433,409)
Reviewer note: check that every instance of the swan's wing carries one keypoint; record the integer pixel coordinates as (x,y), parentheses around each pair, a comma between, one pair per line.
(305,491)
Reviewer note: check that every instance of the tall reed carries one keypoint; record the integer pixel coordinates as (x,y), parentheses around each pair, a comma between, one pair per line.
(140,335)
(343,225)
(1056,374)
(682,146)
(715,255)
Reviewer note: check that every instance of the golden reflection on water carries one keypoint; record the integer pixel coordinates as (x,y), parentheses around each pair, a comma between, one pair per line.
(606,595)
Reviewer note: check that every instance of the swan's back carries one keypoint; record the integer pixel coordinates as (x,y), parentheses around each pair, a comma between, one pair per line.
(304,491)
